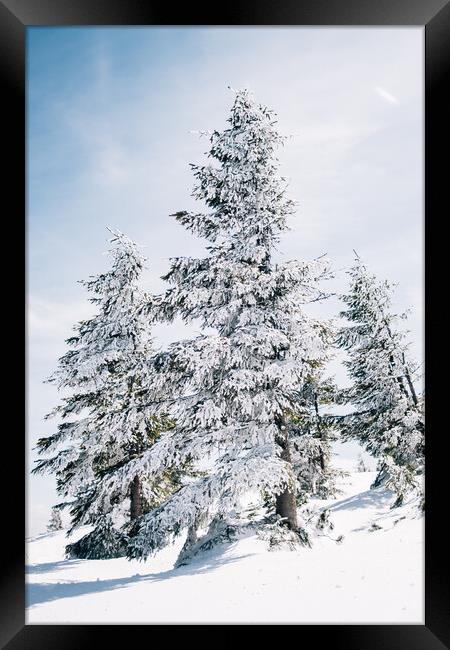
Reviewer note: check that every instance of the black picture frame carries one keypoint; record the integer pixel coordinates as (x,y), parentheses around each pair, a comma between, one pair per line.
(434,15)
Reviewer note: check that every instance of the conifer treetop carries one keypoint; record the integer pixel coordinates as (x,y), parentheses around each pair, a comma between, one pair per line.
(241,185)
(117,328)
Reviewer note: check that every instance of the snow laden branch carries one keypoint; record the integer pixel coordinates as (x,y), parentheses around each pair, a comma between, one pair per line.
(209,497)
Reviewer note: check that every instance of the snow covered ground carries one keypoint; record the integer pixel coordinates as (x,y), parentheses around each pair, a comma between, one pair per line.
(374,576)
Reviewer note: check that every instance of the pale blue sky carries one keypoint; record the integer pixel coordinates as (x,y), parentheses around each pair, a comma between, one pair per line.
(110,118)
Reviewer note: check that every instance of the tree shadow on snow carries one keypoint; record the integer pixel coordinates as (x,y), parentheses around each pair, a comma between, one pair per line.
(45,567)
(38,593)
(378,498)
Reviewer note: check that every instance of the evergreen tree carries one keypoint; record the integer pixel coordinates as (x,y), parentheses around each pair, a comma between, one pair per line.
(388,413)
(361,466)
(105,420)
(312,435)
(55,522)
(105,541)
(232,389)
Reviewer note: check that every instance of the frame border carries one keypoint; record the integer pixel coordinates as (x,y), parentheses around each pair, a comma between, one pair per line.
(434,15)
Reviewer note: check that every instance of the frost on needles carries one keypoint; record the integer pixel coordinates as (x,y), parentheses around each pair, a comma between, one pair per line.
(387,412)
(105,421)
(231,391)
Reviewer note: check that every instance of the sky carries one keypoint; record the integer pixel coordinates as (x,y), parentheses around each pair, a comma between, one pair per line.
(114,118)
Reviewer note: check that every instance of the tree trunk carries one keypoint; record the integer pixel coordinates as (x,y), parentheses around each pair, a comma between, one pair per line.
(410,384)
(381,476)
(319,428)
(135,498)
(412,392)
(286,505)
(399,378)
(192,538)
(188,546)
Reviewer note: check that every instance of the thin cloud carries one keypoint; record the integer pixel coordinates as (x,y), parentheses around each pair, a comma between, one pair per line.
(54,320)
(385,95)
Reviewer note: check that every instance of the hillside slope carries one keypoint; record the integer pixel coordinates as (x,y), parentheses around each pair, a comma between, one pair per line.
(374,576)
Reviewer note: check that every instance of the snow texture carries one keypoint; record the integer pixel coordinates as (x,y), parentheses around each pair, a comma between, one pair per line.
(375,575)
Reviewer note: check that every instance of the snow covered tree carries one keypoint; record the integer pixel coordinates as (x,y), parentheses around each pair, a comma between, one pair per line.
(361,465)
(55,522)
(388,417)
(231,390)
(312,435)
(105,421)
(105,541)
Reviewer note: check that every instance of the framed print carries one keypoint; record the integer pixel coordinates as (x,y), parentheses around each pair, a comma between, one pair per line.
(229,327)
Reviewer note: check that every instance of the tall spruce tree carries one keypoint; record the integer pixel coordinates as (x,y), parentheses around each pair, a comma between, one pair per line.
(231,390)
(105,421)
(388,416)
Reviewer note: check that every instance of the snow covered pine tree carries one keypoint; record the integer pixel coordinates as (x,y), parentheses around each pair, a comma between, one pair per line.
(389,418)
(361,465)
(232,388)
(105,370)
(55,522)
(312,434)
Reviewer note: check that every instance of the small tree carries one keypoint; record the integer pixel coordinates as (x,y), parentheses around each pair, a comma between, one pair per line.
(388,417)
(55,522)
(360,465)
(312,435)
(105,541)
(105,370)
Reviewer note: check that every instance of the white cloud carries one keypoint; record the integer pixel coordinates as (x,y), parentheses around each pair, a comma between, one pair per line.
(386,95)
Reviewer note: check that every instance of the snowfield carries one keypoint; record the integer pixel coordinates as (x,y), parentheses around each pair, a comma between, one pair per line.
(375,575)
